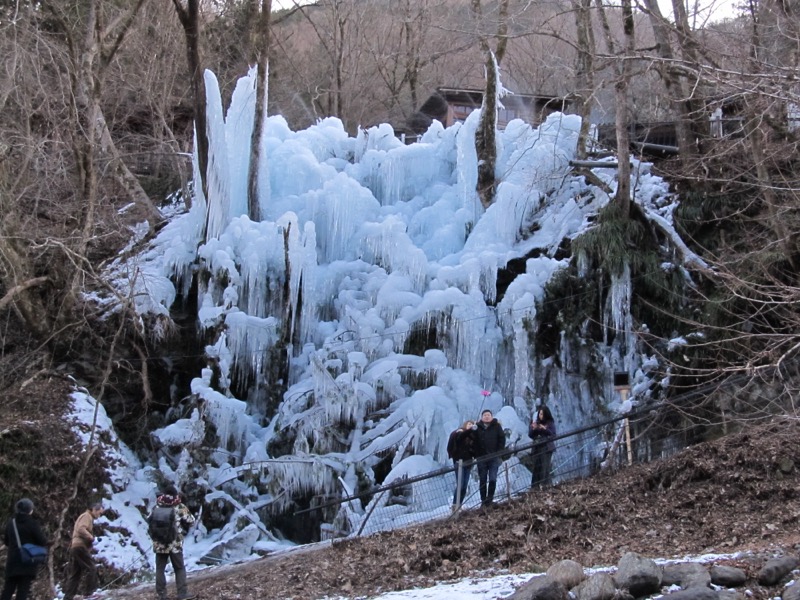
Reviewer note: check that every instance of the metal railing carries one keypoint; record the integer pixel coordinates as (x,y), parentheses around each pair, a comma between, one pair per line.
(639,436)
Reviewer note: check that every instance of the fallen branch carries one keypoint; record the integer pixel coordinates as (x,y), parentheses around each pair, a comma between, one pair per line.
(593,178)
(6,300)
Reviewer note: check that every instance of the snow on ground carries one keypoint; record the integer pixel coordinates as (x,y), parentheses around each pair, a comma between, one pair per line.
(503,585)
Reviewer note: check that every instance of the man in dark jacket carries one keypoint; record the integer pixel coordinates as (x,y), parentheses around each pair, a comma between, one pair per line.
(491,439)
(19,576)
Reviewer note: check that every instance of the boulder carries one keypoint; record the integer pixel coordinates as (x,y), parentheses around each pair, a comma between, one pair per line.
(541,587)
(776,569)
(731,595)
(599,586)
(695,593)
(687,575)
(639,575)
(791,591)
(568,572)
(727,576)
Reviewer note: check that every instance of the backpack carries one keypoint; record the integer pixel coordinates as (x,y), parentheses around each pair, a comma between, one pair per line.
(162,525)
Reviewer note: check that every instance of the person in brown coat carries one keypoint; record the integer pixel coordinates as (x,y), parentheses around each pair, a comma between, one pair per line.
(81,562)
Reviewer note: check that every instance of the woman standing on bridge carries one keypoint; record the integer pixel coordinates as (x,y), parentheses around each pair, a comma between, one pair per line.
(461,448)
(542,430)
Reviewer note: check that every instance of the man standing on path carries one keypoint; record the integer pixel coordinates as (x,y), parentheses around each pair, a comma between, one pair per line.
(81,561)
(491,439)
(168,523)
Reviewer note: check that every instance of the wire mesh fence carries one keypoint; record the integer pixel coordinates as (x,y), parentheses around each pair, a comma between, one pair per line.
(636,437)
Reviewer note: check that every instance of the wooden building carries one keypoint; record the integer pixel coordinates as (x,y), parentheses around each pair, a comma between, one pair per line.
(452,105)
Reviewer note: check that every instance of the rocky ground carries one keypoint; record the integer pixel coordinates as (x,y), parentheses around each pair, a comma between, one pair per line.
(738,494)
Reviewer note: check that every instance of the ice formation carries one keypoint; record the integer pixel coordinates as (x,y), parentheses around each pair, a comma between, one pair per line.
(374,277)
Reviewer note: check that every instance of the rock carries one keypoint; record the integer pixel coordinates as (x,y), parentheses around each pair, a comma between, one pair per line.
(791,591)
(731,595)
(568,572)
(727,576)
(695,593)
(687,575)
(542,587)
(776,569)
(640,576)
(599,586)
(237,545)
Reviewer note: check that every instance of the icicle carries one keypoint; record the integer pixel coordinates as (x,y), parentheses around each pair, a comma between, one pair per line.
(250,339)
(238,131)
(219,184)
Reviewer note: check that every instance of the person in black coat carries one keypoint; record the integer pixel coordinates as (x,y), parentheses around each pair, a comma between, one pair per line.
(542,430)
(461,449)
(491,439)
(19,576)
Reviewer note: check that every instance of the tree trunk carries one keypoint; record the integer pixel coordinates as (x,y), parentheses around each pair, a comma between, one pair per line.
(262,45)
(584,70)
(190,21)
(622,121)
(673,84)
(693,105)
(117,167)
(485,136)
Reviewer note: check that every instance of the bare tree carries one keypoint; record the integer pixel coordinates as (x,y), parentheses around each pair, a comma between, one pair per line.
(189,15)
(93,38)
(622,72)
(584,69)
(261,47)
(485,136)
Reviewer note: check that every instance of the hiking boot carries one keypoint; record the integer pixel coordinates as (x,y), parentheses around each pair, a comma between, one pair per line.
(187,596)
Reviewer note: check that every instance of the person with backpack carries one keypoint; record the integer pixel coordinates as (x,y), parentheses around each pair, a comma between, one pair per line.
(81,562)
(491,439)
(167,524)
(21,529)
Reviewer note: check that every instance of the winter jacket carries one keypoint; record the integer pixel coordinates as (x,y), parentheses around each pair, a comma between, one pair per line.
(184,520)
(82,532)
(491,438)
(462,444)
(540,435)
(29,533)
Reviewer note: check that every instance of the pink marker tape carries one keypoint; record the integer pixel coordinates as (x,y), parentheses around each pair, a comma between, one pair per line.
(486,392)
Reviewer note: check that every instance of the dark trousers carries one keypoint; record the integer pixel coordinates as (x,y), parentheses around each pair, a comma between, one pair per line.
(176,558)
(20,584)
(463,472)
(80,563)
(542,461)
(487,478)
